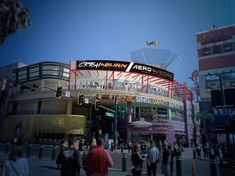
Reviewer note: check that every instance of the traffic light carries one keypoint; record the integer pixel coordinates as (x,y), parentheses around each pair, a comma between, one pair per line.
(58,91)
(97,105)
(80,99)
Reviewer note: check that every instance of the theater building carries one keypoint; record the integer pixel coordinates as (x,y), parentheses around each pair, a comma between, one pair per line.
(135,102)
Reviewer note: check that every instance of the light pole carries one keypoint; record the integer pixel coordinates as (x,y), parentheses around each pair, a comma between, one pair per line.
(116,101)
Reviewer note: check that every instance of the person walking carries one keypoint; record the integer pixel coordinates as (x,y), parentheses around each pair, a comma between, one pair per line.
(68,160)
(16,164)
(152,159)
(166,160)
(98,160)
(137,161)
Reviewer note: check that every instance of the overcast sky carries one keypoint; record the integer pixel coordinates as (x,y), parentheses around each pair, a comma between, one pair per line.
(64,30)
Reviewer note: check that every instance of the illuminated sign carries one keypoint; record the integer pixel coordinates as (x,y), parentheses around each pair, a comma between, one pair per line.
(124,66)
(141,99)
(150,70)
(102,65)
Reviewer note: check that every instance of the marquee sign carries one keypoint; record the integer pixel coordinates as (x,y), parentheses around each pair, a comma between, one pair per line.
(124,66)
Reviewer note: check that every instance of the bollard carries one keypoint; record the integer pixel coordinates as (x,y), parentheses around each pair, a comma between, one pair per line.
(53,153)
(124,158)
(213,167)
(29,150)
(178,164)
(193,168)
(40,151)
(7,147)
(194,153)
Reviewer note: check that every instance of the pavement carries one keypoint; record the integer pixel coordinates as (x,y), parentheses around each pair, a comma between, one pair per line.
(49,167)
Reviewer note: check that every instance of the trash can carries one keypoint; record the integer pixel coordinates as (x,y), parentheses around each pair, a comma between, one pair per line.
(227,167)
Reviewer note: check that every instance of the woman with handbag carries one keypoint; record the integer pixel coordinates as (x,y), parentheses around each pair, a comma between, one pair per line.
(16,165)
(137,161)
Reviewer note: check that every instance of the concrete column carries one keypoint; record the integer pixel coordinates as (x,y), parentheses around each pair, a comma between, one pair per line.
(129,111)
(69,107)
(42,85)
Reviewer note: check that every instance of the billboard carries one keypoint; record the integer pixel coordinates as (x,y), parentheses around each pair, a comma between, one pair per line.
(125,67)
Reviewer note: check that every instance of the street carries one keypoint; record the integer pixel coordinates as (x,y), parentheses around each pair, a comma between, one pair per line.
(48,167)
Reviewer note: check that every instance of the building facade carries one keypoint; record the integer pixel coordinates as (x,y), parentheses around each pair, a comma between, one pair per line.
(216,57)
(135,101)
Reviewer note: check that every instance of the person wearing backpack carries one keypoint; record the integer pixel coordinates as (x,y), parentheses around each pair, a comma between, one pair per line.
(68,159)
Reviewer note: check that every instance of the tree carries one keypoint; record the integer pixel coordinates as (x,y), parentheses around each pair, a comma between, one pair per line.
(13,15)
(204,116)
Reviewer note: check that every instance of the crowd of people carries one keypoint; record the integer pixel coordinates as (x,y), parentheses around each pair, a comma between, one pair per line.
(97,161)
(75,154)
(206,151)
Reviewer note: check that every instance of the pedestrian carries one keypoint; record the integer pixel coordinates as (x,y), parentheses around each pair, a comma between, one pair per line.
(152,159)
(98,160)
(68,160)
(166,160)
(198,149)
(172,155)
(137,161)
(16,164)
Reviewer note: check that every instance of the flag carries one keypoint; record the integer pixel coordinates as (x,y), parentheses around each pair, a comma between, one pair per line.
(157,43)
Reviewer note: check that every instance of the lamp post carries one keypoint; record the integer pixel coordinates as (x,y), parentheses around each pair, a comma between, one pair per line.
(116,101)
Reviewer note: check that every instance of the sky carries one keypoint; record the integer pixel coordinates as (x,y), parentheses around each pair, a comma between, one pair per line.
(64,30)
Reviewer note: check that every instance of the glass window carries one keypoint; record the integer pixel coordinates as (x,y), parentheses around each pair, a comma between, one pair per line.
(22,77)
(50,72)
(51,67)
(227,47)
(35,69)
(66,70)
(162,111)
(66,75)
(34,74)
(206,51)
(216,49)
(212,78)
(22,72)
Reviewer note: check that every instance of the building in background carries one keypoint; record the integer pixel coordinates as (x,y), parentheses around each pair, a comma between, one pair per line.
(216,58)
(126,100)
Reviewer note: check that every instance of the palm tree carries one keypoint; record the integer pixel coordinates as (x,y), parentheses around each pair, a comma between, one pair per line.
(13,15)
(204,116)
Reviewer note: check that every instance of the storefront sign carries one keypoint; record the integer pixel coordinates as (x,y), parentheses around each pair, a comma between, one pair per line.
(141,99)
(124,66)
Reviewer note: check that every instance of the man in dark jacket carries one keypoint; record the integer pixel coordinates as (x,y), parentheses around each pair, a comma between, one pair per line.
(68,159)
